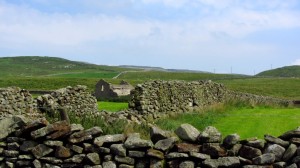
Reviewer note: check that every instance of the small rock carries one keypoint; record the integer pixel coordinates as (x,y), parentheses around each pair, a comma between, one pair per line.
(109,164)
(158,134)
(268,158)
(289,153)
(155,153)
(210,135)
(62,152)
(51,160)
(134,142)
(275,140)
(118,149)
(279,165)
(53,143)
(28,146)
(176,155)
(99,141)
(187,164)
(277,150)
(126,160)
(254,142)
(230,140)
(41,150)
(290,134)
(165,144)
(249,152)
(75,159)
(85,135)
(136,154)
(93,158)
(200,156)
(214,150)
(187,147)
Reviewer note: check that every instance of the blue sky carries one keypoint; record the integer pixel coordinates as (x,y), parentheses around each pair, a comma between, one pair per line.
(248,36)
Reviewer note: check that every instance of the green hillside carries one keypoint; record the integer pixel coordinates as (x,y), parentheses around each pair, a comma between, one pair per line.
(35,66)
(287,71)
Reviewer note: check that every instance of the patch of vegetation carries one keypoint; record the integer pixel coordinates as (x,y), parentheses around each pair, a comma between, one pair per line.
(285,88)
(188,76)
(112,106)
(287,71)
(246,121)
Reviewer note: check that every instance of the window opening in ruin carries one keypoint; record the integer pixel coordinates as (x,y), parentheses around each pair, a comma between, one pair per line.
(102,88)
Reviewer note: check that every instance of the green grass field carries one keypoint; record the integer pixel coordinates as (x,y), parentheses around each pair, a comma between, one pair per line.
(285,88)
(112,106)
(247,122)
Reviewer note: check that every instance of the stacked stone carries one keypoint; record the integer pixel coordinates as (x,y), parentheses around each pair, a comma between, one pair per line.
(40,144)
(175,96)
(257,99)
(16,101)
(181,96)
(75,100)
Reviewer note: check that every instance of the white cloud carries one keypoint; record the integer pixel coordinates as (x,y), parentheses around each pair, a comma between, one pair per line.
(296,62)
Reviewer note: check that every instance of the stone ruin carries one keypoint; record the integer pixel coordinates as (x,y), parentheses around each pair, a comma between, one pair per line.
(105,90)
(40,144)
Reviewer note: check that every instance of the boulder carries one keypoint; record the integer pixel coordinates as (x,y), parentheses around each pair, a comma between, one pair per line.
(165,144)
(11,124)
(268,158)
(134,141)
(230,140)
(277,150)
(249,152)
(187,132)
(289,153)
(275,140)
(210,135)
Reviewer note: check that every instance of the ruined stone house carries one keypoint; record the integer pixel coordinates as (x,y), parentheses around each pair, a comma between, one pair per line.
(107,90)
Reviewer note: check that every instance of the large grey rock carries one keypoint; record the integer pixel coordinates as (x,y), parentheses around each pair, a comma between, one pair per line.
(187,132)
(234,151)
(11,124)
(134,141)
(275,140)
(289,153)
(210,135)
(268,158)
(230,140)
(99,141)
(165,144)
(277,150)
(118,149)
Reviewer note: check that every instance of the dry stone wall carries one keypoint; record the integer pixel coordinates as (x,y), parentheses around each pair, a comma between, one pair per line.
(181,96)
(40,144)
(75,100)
(175,96)
(16,101)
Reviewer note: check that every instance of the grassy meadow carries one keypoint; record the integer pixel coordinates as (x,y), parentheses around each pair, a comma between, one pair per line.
(245,121)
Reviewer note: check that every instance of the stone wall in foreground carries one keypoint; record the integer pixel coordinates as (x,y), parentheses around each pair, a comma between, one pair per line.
(40,144)
(182,96)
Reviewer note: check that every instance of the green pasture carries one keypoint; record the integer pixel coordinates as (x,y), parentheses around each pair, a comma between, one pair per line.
(286,88)
(112,106)
(188,76)
(247,122)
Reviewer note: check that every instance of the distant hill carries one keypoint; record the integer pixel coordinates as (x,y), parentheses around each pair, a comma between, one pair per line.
(287,71)
(32,66)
